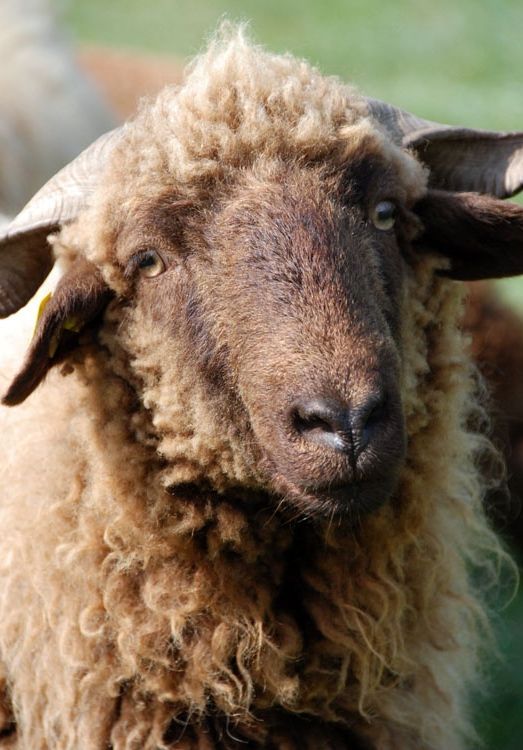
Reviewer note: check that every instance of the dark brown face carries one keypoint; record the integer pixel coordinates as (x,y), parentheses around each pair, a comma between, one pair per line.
(287,299)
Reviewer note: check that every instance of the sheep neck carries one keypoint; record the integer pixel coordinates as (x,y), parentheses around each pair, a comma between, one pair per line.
(204,602)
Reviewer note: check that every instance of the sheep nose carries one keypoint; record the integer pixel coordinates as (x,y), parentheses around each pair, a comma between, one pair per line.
(332,424)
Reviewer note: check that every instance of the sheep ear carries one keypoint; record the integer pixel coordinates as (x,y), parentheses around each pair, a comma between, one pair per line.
(481,236)
(462,159)
(78,300)
(459,159)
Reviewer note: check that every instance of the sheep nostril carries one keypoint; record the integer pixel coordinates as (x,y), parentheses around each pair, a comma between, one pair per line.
(333,424)
(366,420)
(304,421)
(322,421)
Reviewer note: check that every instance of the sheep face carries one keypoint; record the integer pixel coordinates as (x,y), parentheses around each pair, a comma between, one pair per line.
(279,304)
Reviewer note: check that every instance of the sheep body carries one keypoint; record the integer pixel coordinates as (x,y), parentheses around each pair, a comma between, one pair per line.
(496,332)
(165,607)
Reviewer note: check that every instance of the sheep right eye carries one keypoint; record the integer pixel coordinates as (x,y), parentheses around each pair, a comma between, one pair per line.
(383,215)
(150,264)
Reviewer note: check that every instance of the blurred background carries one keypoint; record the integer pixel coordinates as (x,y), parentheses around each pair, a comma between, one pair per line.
(460,63)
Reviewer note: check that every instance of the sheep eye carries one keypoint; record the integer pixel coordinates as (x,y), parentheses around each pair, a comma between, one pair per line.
(384,215)
(150,264)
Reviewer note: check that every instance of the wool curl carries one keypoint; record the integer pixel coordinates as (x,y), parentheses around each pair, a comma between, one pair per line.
(150,609)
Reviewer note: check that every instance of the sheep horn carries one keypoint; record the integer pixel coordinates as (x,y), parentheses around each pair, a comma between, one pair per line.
(459,159)
(25,255)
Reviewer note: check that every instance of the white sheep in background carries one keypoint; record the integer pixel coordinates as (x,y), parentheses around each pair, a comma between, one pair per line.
(245,507)
(49,110)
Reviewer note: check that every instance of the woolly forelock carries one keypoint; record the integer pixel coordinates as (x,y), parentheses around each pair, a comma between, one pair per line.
(150,610)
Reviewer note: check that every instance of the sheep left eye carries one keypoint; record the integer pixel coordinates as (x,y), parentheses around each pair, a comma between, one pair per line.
(384,215)
(151,264)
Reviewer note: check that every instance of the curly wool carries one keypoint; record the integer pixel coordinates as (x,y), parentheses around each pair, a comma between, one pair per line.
(143,605)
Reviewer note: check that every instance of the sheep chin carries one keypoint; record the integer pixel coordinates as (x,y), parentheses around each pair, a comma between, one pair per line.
(346,504)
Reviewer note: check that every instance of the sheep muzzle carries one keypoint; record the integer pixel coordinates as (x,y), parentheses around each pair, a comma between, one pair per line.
(312,295)
(327,455)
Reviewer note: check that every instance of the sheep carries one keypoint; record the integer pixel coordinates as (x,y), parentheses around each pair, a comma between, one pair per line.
(245,508)
(49,110)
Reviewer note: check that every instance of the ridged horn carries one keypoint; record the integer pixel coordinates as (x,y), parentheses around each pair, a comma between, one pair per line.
(459,159)
(25,255)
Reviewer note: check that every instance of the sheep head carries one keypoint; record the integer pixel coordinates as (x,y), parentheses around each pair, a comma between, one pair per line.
(257,247)
(283,294)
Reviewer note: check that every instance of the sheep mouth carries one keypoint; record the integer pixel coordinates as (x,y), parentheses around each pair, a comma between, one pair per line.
(346,503)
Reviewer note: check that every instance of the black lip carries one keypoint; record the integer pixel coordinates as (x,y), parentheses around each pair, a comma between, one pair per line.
(352,498)
(351,501)
(345,493)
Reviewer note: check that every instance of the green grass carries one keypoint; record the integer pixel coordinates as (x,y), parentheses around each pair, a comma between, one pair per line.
(457,62)
(500,717)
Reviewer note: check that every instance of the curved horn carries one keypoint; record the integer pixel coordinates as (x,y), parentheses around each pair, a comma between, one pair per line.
(459,159)
(25,255)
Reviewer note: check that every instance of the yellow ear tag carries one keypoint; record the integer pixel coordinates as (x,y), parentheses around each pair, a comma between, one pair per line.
(73,324)
(70,324)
